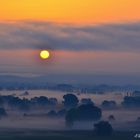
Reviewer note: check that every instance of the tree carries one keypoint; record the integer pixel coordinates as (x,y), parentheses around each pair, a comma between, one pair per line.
(2,112)
(61,113)
(70,117)
(109,104)
(86,101)
(52,113)
(138,119)
(131,101)
(21,104)
(83,113)
(103,128)
(1,101)
(53,101)
(70,100)
(65,87)
(111,118)
(42,100)
(88,112)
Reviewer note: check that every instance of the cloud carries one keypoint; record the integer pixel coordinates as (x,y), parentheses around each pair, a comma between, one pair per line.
(44,35)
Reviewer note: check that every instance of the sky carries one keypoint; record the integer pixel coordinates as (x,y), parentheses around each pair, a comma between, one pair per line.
(84,37)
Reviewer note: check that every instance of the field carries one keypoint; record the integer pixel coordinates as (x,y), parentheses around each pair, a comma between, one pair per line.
(62,135)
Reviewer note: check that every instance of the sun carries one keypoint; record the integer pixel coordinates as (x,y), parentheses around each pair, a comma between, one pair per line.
(44,54)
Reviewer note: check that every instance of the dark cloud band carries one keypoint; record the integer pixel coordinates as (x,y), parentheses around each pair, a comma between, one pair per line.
(41,35)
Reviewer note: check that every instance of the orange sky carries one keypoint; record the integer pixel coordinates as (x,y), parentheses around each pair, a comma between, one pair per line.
(77,11)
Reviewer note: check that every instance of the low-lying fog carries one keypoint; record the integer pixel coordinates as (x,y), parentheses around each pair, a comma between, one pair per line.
(125,119)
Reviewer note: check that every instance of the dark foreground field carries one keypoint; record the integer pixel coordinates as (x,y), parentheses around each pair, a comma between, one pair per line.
(62,135)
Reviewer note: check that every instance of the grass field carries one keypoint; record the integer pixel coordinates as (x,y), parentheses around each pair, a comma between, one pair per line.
(62,135)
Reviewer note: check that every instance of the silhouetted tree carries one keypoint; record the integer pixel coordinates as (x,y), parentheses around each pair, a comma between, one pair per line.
(103,128)
(109,104)
(52,113)
(1,101)
(111,118)
(3,112)
(138,119)
(136,93)
(61,112)
(131,101)
(83,113)
(17,103)
(42,101)
(53,101)
(71,117)
(65,87)
(88,112)
(86,101)
(70,100)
